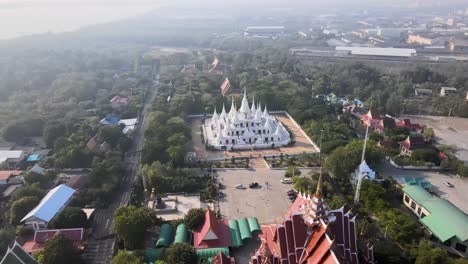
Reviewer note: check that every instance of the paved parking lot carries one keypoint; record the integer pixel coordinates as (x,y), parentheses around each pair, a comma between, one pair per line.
(267,203)
(458,195)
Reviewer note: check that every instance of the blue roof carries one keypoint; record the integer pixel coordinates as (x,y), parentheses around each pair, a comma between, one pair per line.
(51,204)
(35,157)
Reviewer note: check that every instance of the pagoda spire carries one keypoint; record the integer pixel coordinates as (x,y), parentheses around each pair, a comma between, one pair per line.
(245,104)
(252,109)
(318,191)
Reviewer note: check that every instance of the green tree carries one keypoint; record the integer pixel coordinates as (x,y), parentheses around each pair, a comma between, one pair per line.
(110,134)
(428,133)
(30,190)
(7,236)
(181,253)
(70,217)
(194,218)
(304,184)
(426,253)
(126,257)
(42,180)
(21,207)
(130,224)
(52,132)
(59,250)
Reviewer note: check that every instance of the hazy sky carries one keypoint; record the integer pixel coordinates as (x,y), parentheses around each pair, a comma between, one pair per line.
(24,17)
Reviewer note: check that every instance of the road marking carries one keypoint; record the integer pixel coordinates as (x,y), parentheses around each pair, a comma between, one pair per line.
(107,223)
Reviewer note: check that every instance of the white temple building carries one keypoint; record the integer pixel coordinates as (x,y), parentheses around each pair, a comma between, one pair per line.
(363,171)
(244,128)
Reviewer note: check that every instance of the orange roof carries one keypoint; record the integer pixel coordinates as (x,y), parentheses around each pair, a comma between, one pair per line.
(5,175)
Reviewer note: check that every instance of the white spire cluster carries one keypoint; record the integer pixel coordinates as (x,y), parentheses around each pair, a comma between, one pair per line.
(244,128)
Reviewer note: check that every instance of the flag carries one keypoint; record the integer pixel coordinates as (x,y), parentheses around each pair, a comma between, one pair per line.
(225,87)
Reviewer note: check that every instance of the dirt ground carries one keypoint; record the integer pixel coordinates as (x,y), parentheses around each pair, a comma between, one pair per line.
(448,131)
(301,145)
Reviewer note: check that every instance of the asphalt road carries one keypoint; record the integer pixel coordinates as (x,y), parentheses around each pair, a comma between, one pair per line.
(100,247)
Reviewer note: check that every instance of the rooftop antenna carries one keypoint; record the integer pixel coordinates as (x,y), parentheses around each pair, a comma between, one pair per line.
(359,183)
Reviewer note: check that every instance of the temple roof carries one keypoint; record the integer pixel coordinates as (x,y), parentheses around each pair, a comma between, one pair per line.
(213,233)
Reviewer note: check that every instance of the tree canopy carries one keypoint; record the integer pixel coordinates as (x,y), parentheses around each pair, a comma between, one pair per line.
(126,257)
(194,218)
(130,224)
(59,250)
(70,217)
(181,253)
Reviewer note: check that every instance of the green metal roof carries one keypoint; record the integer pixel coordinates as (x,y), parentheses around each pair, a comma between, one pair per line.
(211,252)
(181,234)
(254,225)
(417,193)
(235,233)
(445,220)
(244,229)
(165,236)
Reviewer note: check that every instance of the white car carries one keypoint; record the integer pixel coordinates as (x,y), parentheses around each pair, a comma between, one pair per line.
(286,181)
(240,186)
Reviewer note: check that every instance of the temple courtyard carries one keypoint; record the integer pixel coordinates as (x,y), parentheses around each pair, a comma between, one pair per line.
(302,142)
(238,203)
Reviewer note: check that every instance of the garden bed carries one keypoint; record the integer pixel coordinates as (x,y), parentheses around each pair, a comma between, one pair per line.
(298,161)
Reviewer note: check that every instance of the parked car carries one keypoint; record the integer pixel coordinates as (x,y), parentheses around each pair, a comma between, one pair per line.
(286,181)
(240,186)
(221,194)
(253,185)
(291,192)
(292,197)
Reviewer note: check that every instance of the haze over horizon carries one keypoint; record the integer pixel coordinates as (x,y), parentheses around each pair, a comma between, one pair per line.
(26,17)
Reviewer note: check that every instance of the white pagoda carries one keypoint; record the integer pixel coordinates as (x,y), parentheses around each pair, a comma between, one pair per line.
(244,128)
(363,172)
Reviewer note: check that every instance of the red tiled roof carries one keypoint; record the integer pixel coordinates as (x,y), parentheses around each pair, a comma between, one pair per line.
(406,123)
(442,156)
(225,86)
(119,100)
(4,175)
(212,225)
(76,235)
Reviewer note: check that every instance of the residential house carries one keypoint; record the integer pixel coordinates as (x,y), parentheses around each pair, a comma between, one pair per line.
(422,92)
(17,255)
(34,158)
(447,91)
(412,128)
(447,224)
(76,235)
(189,68)
(371,119)
(54,201)
(11,190)
(332,98)
(92,143)
(7,175)
(11,157)
(412,143)
(119,101)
